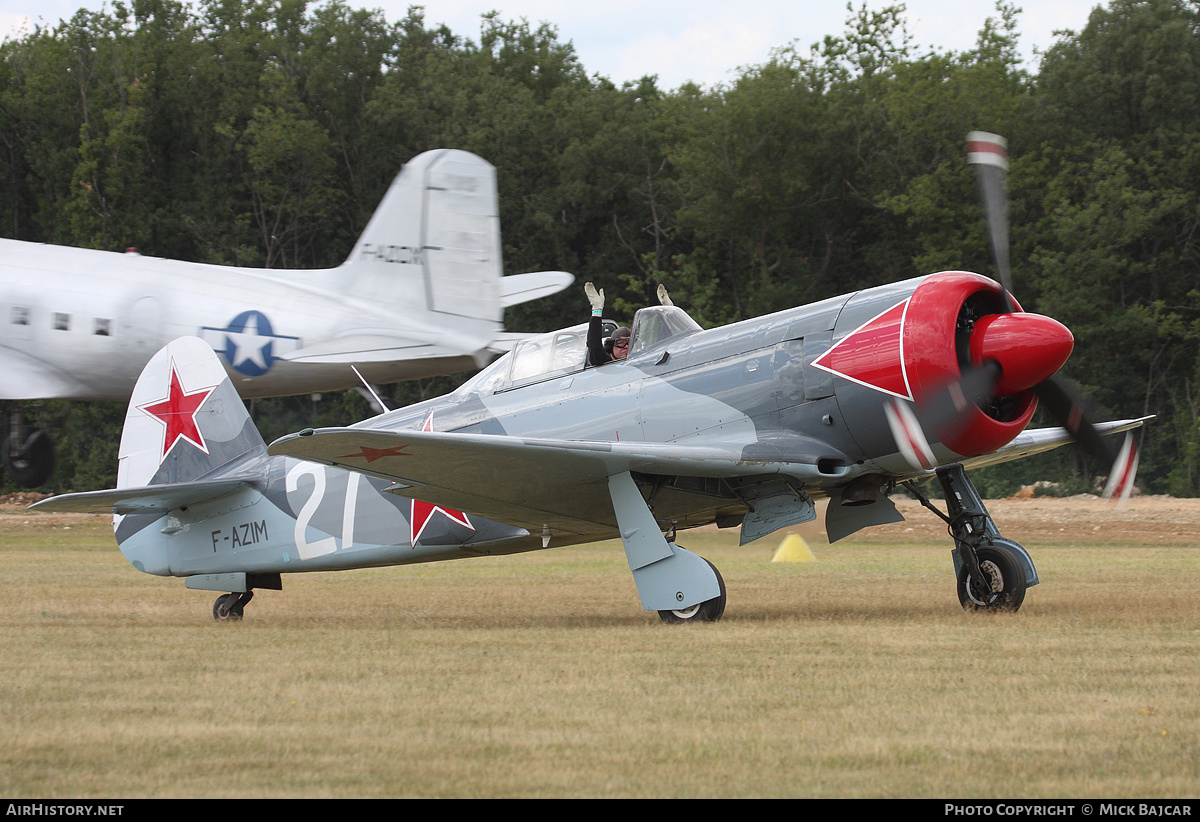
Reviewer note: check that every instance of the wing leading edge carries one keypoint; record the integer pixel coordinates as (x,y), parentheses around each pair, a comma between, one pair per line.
(1038,440)
(563,484)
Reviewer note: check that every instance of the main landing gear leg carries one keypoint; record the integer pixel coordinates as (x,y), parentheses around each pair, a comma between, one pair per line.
(28,451)
(992,572)
(680,585)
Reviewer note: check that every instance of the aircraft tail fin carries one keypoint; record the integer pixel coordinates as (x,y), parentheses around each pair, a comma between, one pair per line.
(434,243)
(185,421)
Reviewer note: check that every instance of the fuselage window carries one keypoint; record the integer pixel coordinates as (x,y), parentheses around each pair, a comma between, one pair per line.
(20,315)
(62,322)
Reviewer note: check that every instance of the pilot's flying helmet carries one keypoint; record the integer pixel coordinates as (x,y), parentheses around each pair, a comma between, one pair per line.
(621,332)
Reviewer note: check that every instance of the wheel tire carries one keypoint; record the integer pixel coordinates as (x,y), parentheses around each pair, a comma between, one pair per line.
(708,611)
(35,463)
(1003,588)
(228,608)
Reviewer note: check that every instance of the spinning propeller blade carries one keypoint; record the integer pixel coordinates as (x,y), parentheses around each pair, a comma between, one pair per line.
(989,154)
(1120,479)
(908,434)
(1005,352)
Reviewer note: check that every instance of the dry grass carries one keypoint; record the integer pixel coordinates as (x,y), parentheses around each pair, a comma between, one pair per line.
(539,676)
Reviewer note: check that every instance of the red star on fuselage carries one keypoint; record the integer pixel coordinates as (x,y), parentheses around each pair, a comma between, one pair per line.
(420,512)
(177,413)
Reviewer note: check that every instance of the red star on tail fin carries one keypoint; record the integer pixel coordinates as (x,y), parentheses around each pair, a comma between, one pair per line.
(177,412)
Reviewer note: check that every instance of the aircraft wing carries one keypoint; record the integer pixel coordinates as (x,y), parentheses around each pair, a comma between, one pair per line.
(367,348)
(535,483)
(1037,440)
(23,377)
(559,484)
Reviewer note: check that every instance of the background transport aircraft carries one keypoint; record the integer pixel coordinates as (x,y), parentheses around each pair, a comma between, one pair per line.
(421,293)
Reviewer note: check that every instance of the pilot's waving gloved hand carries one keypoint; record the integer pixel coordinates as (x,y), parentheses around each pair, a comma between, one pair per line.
(596,298)
(595,337)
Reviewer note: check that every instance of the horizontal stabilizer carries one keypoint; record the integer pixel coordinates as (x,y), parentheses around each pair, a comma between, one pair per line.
(149,499)
(520,288)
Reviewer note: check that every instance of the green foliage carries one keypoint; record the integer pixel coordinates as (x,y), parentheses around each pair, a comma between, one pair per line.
(264,132)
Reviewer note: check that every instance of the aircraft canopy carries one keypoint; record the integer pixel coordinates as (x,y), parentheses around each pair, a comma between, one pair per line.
(557,353)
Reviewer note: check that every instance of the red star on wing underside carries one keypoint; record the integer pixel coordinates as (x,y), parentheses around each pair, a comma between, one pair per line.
(370,454)
(178,414)
(422,511)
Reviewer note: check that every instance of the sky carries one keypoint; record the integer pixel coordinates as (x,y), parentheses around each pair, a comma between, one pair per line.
(702,41)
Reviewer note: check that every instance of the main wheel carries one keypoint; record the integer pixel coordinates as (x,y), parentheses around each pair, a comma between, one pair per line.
(708,611)
(228,608)
(33,461)
(1002,583)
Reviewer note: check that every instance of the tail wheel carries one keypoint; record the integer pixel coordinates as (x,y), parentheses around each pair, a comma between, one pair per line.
(1000,585)
(230,607)
(708,611)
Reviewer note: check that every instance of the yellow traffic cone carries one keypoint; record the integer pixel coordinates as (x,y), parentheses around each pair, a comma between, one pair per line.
(793,549)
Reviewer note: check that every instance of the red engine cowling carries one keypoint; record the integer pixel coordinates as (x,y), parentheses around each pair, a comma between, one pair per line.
(956,319)
(918,346)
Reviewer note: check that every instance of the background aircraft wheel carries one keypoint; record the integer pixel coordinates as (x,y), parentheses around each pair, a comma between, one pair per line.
(1003,585)
(228,608)
(29,463)
(709,611)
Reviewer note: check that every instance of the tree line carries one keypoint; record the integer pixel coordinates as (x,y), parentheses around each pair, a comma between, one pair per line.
(265,132)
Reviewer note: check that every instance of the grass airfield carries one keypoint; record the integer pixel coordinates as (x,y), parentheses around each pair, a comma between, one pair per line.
(853,675)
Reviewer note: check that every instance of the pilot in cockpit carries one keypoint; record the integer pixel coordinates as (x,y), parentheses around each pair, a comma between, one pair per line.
(601,349)
(616,346)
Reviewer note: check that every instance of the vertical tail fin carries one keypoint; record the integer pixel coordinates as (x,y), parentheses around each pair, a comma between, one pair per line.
(434,243)
(185,419)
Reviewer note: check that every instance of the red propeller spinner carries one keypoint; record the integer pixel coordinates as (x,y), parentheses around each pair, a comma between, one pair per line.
(1029,348)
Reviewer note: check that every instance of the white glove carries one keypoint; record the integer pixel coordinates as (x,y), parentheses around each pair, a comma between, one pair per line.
(663,297)
(596,298)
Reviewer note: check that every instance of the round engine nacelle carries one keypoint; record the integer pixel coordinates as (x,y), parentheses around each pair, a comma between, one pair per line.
(918,340)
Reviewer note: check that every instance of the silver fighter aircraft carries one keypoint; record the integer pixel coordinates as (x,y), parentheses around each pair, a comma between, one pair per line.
(746,426)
